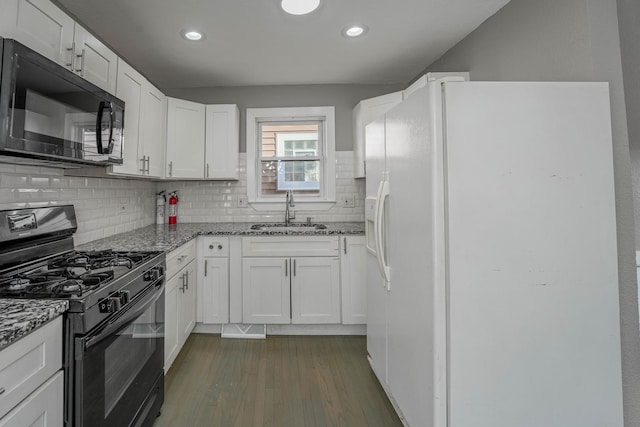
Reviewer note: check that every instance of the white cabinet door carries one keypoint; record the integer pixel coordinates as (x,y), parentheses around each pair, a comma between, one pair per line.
(171,321)
(153,125)
(94,61)
(353,260)
(222,141)
(215,291)
(43,407)
(364,113)
(185,139)
(265,290)
(41,26)
(187,302)
(130,86)
(315,290)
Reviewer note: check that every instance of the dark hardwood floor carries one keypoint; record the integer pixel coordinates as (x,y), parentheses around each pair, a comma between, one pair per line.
(282,381)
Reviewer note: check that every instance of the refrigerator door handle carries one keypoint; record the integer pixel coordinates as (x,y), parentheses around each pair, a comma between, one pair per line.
(383,195)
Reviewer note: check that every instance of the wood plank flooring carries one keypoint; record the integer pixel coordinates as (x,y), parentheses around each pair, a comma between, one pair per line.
(297,381)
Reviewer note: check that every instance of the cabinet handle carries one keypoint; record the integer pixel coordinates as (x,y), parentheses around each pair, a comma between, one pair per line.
(286,267)
(207,170)
(148,164)
(219,247)
(81,69)
(183,283)
(2,390)
(205,268)
(294,267)
(170,168)
(345,245)
(187,276)
(143,170)
(71,52)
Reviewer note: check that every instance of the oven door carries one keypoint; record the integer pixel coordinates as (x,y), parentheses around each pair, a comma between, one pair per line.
(119,379)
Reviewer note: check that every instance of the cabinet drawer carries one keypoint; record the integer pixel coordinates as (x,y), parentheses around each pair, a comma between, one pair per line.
(29,362)
(43,407)
(180,257)
(215,246)
(279,246)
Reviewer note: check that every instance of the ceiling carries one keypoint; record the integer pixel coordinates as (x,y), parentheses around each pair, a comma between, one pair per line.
(253,42)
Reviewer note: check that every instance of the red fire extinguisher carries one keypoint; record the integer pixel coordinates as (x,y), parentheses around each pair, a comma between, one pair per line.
(173,207)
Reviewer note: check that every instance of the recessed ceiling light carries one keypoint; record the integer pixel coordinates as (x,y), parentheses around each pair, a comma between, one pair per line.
(192,35)
(355,30)
(299,7)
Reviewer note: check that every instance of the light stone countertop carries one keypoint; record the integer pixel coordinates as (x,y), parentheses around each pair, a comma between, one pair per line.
(169,237)
(20,317)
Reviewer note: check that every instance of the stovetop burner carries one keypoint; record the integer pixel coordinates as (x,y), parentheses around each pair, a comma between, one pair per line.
(71,275)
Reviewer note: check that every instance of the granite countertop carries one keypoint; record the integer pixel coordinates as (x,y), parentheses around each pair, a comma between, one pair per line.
(20,317)
(168,237)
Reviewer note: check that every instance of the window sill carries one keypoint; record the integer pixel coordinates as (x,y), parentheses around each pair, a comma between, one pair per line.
(305,205)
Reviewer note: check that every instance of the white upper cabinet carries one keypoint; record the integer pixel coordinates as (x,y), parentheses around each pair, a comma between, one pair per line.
(153,121)
(41,26)
(222,141)
(144,118)
(129,89)
(46,29)
(93,60)
(185,139)
(364,113)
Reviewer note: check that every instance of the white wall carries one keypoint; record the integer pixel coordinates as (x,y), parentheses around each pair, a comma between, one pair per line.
(216,201)
(98,202)
(569,40)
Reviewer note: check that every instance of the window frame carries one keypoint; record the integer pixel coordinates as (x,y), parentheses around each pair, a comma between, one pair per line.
(326,115)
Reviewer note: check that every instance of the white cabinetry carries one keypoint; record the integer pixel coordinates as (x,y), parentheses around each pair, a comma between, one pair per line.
(43,27)
(31,378)
(145,124)
(353,259)
(364,113)
(180,300)
(290,280)
(222,141)
(213,286)
(185,139)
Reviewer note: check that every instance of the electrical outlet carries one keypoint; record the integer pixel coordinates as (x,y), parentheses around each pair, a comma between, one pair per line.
(348,201)
(123,208)
(242,202)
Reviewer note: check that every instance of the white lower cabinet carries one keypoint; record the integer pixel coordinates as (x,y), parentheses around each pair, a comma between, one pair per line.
(180,300)
(31,378)
(315,290)
(280,289)
(213,283)
(266,290)
(43,407)
(353,259)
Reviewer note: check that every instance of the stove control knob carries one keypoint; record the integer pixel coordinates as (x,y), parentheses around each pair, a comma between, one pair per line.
(116,303)
(106,305)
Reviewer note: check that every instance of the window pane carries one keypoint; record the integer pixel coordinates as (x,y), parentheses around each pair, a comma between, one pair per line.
(289,139)
(303,176)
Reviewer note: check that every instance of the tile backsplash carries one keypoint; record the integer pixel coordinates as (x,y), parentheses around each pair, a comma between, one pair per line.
(104,207)
(108,206)
(217,201)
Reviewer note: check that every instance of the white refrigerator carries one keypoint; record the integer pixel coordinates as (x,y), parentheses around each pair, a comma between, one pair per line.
(492,279)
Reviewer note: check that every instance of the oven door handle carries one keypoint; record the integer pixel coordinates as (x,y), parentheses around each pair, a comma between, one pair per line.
(126,317)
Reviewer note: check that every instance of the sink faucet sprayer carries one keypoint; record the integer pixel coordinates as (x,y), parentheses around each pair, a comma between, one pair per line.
(289,215)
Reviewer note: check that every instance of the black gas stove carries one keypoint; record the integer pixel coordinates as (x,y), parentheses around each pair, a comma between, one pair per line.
(114,328)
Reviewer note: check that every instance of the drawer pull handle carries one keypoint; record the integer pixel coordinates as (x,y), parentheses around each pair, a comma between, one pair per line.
(2,390)
(213,247)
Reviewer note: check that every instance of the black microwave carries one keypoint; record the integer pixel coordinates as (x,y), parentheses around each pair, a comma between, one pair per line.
(47,112)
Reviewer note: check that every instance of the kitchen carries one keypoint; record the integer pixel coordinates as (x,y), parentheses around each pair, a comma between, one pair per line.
(526,40)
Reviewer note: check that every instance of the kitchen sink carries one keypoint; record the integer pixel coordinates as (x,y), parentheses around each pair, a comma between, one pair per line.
(293,227)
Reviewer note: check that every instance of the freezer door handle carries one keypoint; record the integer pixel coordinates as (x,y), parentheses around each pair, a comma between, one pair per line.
(383,196)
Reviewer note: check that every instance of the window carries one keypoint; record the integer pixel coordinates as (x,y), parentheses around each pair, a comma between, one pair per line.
(291,149)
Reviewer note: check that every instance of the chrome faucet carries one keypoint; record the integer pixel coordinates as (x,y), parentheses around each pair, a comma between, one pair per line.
(289,215)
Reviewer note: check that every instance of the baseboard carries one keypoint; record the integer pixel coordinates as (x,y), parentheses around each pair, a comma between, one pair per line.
(202,328)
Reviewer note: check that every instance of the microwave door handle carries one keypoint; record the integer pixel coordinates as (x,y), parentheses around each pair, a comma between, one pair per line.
(101,107)
(111,120)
